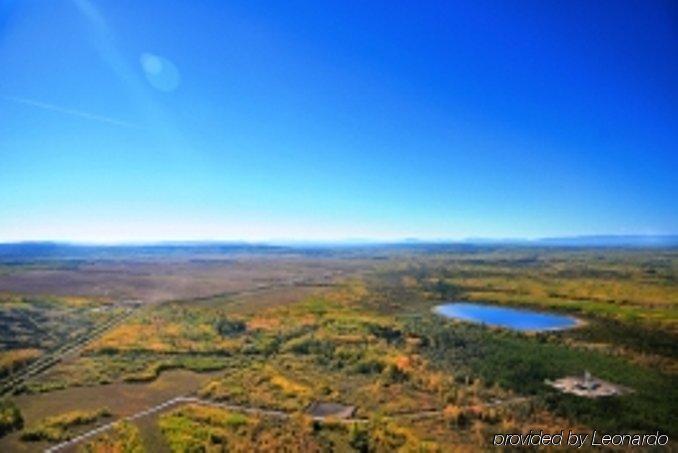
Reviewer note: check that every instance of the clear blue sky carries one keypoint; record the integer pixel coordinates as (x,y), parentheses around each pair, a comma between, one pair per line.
(158,120)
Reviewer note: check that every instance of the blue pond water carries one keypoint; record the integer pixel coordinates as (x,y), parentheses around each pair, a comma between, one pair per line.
(511,318)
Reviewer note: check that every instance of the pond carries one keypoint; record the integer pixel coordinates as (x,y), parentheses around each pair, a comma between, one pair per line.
(510,318)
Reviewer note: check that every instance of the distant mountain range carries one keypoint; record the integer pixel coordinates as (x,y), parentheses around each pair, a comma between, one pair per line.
(55,250)
(615,241)
(588,241)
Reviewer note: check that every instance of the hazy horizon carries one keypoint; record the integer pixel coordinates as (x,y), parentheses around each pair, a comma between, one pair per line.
(614,240)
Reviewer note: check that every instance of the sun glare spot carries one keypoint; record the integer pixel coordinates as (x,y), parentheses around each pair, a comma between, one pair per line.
(161,73)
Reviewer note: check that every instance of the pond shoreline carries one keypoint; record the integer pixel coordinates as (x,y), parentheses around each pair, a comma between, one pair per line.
(500,316)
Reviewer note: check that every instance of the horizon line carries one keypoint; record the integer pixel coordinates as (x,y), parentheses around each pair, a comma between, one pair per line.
(346,241)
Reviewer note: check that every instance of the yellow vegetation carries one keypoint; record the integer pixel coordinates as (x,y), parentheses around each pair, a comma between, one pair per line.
(15,358)
(124,438)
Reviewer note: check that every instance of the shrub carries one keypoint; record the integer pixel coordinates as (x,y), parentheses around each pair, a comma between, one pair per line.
(369,366)
(59,427)
(230,327)
(10,418)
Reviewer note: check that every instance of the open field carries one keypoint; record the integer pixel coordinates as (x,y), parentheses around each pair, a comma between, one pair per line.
(120,399)
(159,280)
(356,327)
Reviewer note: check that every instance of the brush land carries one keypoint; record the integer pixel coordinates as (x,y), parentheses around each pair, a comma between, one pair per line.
(256,336)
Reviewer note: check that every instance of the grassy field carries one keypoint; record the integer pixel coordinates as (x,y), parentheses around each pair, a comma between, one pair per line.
(369,339)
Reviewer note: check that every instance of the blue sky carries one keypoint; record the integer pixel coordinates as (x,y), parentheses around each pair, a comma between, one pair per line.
(169,120)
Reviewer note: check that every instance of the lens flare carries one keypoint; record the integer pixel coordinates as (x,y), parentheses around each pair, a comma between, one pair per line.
(161,73)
